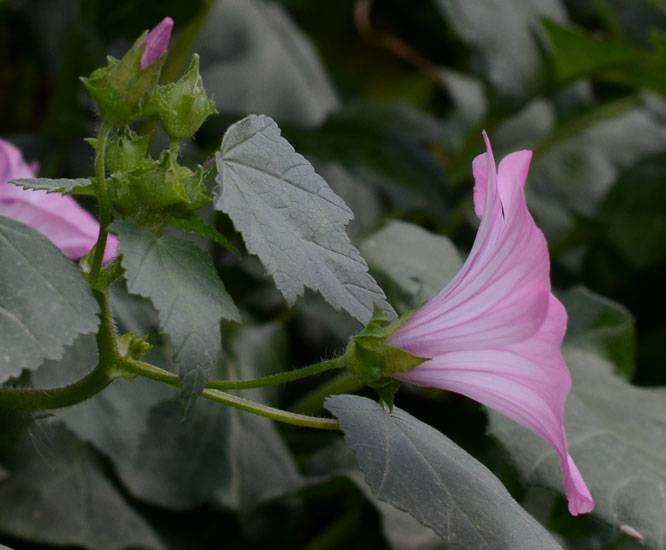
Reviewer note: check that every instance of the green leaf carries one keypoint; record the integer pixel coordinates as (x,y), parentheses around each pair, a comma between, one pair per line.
(387,147)
(426,262)
(506,37)
(62,495)
(80,186)
(577,54)
(617,436)
(634,213)
(274,67)
(601,326)
(217,454)
(291,219)
(45,303)
(194,224)
(419,470)
(181,281)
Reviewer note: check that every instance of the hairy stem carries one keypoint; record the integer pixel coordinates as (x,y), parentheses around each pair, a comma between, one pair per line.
(147,370)
(279,378)
(104,202)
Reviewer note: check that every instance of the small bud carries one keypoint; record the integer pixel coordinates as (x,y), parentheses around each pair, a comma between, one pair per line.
(132,347)
(186,103)
(123,87)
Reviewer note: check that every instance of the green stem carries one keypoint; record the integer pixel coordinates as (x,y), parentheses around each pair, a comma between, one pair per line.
(104,202)
(147,370)
(85,388)
(279,378)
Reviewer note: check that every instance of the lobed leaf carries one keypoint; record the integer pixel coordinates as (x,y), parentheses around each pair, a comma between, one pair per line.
(421,471)
(44,301)
(291,219)
(181,281)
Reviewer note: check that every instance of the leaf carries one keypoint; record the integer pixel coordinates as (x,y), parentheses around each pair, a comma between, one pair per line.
(426,262)
(419,470)
(506,37)
(577,54)
(194,224)
(599,325)
(44,301)
(216,454)
(386,146)
(62,496)
(273,65)
(79,186)
(617,436)
(634,213)
(181,281)
(291,219)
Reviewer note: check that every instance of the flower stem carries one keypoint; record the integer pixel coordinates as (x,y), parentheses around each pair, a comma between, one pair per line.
(81,390)
(279,378)
(104,202)
(131,366)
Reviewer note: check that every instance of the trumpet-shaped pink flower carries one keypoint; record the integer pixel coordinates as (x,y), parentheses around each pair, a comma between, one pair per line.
(58,217)
(156,42)
(494,332)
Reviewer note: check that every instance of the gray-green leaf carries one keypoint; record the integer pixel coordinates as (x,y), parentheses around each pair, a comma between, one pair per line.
(291,219)
(62,495)
(181,281)
(79,186)
(419,470)
(617,435)
(425,264)
(44,301)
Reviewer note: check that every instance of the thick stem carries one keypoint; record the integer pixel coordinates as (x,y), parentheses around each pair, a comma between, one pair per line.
(279,378)
(147,370)
(104,202)
(81,390)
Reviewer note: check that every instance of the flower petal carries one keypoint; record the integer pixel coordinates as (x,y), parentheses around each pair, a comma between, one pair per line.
(156,42)
(527,382)
(58,217)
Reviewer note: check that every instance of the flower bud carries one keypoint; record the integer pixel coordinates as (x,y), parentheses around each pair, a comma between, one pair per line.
(123,87)
(185,103)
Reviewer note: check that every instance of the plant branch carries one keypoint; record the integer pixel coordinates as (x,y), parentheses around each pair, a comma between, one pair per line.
(131,366)
(104,202)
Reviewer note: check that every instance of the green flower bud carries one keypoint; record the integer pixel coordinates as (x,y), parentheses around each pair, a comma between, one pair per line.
(184,104)
(122,88)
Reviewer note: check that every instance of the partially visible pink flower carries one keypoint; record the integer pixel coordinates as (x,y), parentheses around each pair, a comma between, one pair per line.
(156,42)
(494,332)
(58,217)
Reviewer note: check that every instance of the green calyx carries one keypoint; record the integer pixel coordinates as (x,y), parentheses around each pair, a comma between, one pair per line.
(122,89)
(184,105)
(370,358)
(126,150)
(156,190)
(133,347)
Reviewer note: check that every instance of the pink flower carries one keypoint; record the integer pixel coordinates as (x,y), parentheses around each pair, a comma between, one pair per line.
(58,217)
(494,332)
(156,42)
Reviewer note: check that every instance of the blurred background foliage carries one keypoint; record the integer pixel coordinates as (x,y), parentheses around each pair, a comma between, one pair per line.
(387,99)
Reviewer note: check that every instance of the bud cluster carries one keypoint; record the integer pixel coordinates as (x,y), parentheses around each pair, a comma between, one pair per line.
(141,188)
